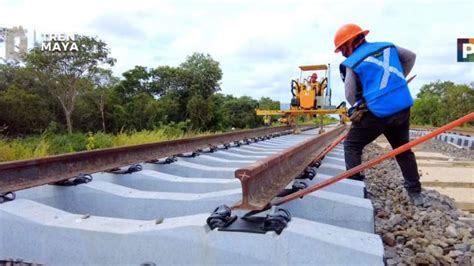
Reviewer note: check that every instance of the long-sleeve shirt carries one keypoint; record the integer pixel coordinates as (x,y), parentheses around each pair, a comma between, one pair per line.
(352,84)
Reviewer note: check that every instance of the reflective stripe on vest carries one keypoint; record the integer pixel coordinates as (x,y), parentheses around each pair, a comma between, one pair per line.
(387,69)
(379,72)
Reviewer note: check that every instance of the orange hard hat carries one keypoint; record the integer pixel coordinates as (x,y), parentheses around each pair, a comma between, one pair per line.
(345,33)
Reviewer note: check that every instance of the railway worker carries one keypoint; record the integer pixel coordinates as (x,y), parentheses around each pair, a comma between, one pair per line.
(313,82)
(374,79)
(267,120)
(313,78)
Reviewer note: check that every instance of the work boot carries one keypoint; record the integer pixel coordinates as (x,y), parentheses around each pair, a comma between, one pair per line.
(416,198)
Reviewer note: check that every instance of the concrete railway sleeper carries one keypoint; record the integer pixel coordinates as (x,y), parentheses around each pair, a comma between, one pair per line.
(149,215)
(24,174)
(259,202)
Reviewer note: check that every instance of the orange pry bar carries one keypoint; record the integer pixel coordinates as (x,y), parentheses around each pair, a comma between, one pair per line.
(375,161)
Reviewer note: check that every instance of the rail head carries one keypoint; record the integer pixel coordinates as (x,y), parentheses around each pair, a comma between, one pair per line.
(17,175)
(266,178)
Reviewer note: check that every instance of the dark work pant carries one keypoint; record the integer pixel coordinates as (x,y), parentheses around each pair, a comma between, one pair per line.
(396,130)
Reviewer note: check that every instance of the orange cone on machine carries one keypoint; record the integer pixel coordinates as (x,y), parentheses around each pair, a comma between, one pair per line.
(346,33)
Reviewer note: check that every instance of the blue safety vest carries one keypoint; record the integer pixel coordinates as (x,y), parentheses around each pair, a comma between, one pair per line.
(378,68)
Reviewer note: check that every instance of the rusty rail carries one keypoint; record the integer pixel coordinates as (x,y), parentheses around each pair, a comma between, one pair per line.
(17,175)
(266,178)
(361,167)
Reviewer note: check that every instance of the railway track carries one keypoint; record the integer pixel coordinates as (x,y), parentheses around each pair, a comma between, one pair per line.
(459,131)
(156,212)
(461,138)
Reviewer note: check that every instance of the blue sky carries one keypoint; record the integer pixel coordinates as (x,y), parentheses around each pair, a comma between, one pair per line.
(259,44)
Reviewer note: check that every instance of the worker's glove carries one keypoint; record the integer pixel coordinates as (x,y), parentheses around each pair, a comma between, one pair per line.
(357,111)
(357,115)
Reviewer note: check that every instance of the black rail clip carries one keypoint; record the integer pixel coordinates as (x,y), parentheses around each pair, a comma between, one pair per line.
(167,160)
(220,217)
(297,186)
(309,173)
(189,154)
(74,181)
(211,149)
(318,163)
(132,169)
(170,159)
(223,220)
(8,196)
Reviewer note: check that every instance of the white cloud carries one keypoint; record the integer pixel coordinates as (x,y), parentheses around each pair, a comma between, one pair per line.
(259,44)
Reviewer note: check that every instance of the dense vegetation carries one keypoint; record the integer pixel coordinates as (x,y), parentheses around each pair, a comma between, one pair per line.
(76,92)
(53,103)
(439,103)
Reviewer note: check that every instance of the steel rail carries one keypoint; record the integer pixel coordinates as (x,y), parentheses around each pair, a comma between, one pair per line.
(467,118)
(266,178)
(458,131)
(22,174)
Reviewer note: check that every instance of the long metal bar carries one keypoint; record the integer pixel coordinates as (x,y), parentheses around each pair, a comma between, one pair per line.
(371,163)
(340,111)
(457,130)
(266,178)
(331,147)
(17,175)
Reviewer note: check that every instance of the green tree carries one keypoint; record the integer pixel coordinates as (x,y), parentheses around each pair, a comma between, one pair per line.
(202,75)
(218,120)
(117,115)
(8,74)
(23,111)
(267,103)
(424,110)
(19,81)
(439,103)
(168,109)
(240,112)
(68,74)
(104,81)
(165,79)
(136,80)
(142,111)
(199,112)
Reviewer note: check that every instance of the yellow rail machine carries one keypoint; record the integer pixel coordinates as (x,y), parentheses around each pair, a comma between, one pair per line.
(311,97)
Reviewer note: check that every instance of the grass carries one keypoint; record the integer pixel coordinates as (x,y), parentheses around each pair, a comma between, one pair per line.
(52,144)
(23,149)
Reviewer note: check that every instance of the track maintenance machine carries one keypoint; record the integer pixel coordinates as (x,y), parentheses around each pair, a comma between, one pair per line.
(311,98)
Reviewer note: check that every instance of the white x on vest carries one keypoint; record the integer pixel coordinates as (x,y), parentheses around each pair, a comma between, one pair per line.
(387,69)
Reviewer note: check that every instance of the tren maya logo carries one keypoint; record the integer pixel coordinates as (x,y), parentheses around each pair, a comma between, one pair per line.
(59,43)
(465,50)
